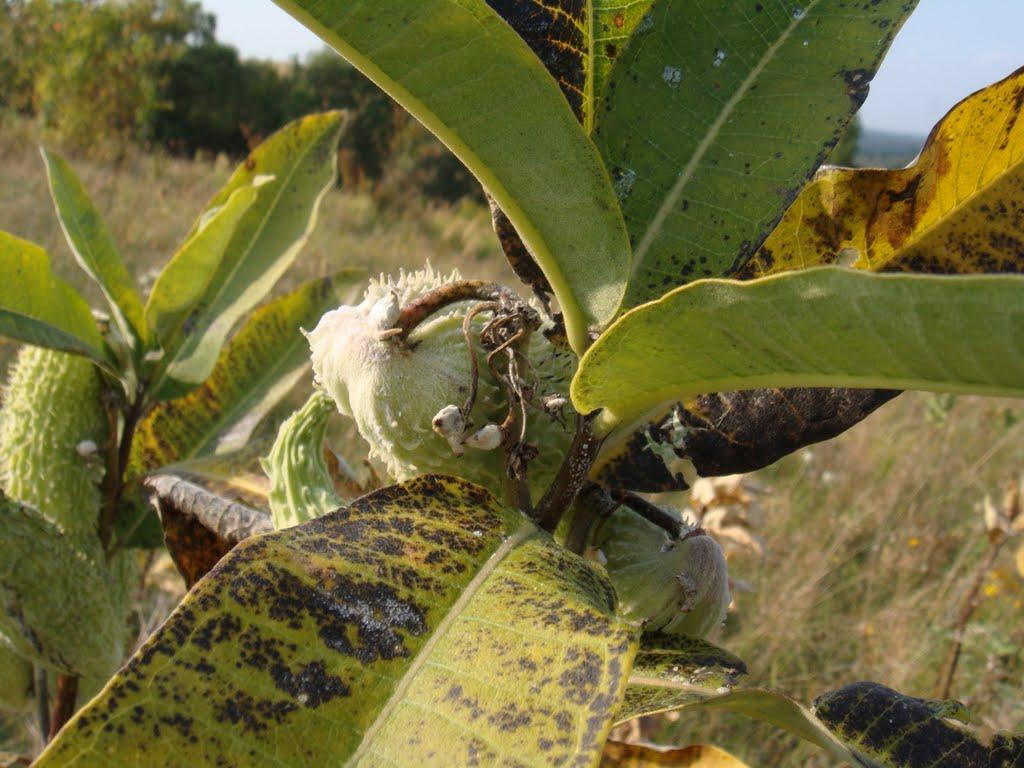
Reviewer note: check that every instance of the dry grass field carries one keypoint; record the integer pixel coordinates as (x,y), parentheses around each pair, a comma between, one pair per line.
(870,542)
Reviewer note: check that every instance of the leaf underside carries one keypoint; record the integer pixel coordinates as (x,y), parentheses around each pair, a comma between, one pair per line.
(620,755)
(717,113)
(424,624)
(823,327)
(508,123)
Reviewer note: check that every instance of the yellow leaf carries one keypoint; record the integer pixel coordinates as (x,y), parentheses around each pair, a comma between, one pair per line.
(619,755)
(958,209)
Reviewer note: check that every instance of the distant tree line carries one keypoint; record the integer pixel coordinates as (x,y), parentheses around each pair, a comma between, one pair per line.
(152,72)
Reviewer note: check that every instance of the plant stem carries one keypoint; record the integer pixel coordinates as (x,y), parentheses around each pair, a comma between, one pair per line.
(592,505)
(42,702)
(415,312)
(63,703)
(652,513)
(117,462)
(968,605)
(571,477)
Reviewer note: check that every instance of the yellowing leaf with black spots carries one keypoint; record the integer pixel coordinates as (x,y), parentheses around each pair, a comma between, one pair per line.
(958,209)
(423,625)
(257,368)
(619,755)
(670,670)
(822,327)
(716,114)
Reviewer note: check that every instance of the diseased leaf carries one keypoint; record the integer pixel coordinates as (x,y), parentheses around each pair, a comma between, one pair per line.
(717,113)
(301,159)
(619,755)
(94,248)
(891,730)
(824,327)
(577,42)
(958,209)
(37,307)
(516,133)
(672,669)
(255,370)
(473,637)
(732,433)
(184,281)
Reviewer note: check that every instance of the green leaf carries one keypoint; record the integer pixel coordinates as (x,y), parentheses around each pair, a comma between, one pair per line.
(472,637)
(956,210)
(186,278)
(37,307)
(716,114)
(259,366)
(55,602)
(507,122)
(94,248)
(301,159)
(823,327)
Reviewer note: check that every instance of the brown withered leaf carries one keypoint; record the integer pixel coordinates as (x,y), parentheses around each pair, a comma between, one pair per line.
(517,254)
(205,511)
(737,432)
(733,433)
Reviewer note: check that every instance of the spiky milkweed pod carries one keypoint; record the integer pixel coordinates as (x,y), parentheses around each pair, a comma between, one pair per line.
(300,484)
(53,433)
(675,585)
(394,388)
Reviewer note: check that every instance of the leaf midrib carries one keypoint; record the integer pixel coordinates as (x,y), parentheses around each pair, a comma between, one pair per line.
(672,198)
(398,694)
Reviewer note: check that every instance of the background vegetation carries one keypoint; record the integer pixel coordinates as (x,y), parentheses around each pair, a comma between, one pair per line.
(874,539)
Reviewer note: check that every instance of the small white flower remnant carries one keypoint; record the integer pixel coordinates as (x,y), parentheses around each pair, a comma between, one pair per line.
(87,449)
(450,424)
(487,438)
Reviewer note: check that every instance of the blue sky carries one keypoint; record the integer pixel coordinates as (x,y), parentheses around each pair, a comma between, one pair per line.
(947,50)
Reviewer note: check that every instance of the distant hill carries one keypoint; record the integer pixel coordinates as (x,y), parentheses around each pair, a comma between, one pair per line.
(884,149)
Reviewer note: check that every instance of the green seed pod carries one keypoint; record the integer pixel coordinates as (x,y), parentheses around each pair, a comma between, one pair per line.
(394,389)
(300,485)
(679,587)
(52,436)
(15,677)
(58,606)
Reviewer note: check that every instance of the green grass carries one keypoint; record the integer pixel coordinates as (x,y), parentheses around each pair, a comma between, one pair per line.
(870,540)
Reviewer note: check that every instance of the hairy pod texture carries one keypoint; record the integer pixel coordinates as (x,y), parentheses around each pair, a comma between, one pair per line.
(678,586)
(301,487)
(63,602)
(53,434)
(393,388)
